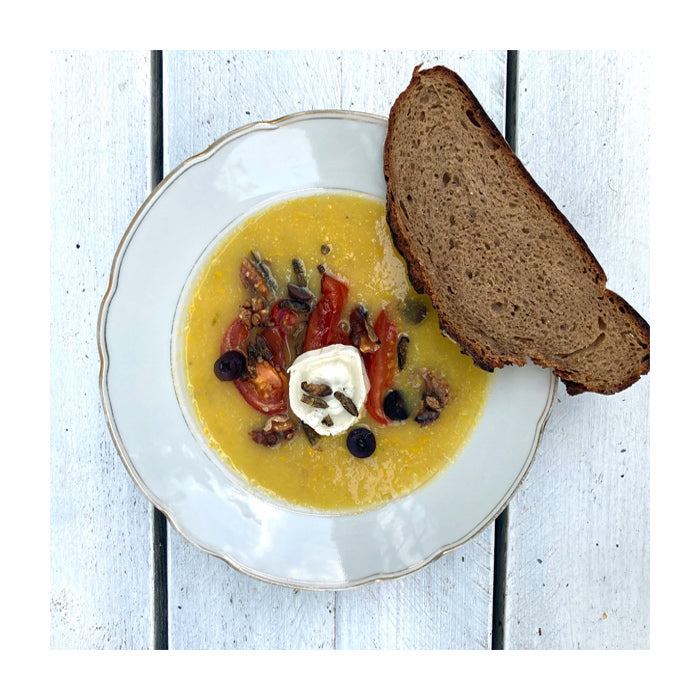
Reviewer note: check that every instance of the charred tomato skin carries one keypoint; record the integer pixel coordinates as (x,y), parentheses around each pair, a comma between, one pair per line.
(381,367)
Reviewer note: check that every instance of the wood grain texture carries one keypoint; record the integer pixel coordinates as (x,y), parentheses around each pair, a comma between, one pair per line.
(578,541)
(209,93)
(372,80)
(447,605)
(101,579)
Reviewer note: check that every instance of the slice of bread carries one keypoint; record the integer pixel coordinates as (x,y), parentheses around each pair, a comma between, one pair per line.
(508,275)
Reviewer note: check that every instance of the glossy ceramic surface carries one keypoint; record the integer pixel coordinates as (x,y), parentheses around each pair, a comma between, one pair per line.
(137,334)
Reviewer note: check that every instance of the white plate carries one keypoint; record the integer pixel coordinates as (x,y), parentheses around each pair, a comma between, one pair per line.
(179,220)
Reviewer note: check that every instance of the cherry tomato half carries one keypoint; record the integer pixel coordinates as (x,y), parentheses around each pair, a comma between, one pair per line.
(284,319)
(267,391)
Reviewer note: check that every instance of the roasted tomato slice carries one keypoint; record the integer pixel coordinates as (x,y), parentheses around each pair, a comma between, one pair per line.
(267,391)
(286,320)
(325,318)
(381,367)
(235,338)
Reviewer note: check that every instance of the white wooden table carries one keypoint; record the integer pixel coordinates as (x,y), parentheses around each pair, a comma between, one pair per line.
(566,566)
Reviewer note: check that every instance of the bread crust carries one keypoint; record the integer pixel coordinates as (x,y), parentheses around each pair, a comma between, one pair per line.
(420,276)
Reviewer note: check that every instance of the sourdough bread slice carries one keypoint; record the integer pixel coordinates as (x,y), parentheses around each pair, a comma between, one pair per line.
(508,275)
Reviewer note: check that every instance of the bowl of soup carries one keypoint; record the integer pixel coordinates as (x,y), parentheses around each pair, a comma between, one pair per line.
(343,234)
(275,385)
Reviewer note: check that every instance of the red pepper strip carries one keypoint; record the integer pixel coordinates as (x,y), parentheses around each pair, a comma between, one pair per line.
(340,335)
(325,318)
(381,367)
(267,391)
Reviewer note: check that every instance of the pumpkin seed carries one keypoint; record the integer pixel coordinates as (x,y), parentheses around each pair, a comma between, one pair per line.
(264,270)
(402,350)
(264,348)
(347,403)
(301,307)
(413,310)
(316,389)
(298,292)
(252,353)
(299,272)
(311,435)
(313,401)
(252,278)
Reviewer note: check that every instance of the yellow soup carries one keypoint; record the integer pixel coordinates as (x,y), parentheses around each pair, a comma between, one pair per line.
(348,235)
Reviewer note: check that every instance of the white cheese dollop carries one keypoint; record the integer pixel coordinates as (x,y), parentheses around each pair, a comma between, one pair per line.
(342,369)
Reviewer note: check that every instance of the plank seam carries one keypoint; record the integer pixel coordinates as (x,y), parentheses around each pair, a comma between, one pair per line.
(500,547)
(160,528)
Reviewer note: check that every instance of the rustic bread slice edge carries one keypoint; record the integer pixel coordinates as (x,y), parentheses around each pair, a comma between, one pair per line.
(420,278)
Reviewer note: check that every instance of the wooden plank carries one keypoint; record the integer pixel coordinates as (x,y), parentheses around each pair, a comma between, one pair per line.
(447,605)
(207,95)
(372,80)
(578,542)
(101,588)
(210,93)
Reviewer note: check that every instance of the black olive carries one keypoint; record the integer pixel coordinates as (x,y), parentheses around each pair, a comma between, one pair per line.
(229,366)
(394,406)
(361,442)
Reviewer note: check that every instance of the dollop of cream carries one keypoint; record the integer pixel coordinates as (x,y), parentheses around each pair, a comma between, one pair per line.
(341,368)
